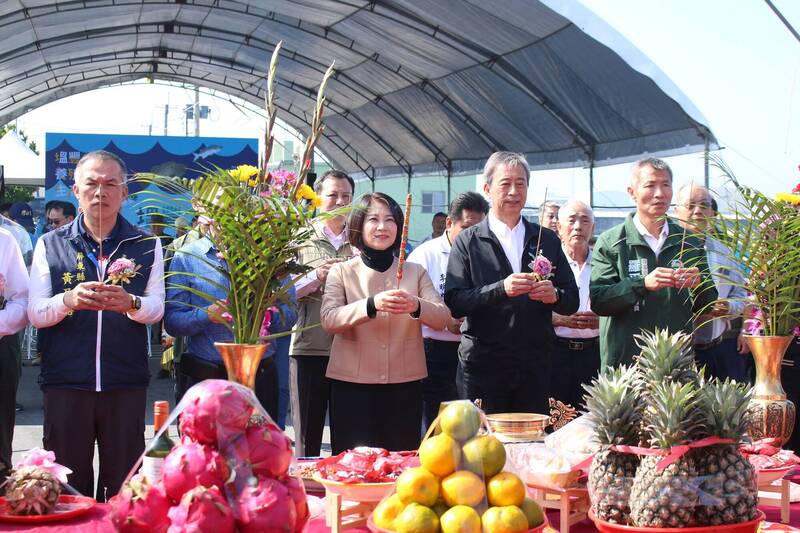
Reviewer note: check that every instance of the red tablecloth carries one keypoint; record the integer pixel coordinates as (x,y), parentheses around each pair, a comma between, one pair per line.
(97,520)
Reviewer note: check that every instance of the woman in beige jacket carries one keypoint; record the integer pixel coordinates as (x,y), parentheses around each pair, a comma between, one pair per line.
(377,360)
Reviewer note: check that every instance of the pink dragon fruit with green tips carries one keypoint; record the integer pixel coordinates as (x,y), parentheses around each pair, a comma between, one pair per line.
(140,507)
(215,410)
(202,510)
(264,449)
(189,465)
(298,494)
(266,507)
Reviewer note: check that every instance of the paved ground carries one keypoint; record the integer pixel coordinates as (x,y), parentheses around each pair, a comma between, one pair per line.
(28,430)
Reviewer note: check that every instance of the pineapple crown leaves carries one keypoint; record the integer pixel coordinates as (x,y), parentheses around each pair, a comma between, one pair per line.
(613,406)
(724,404)
(673,414)
(665,357)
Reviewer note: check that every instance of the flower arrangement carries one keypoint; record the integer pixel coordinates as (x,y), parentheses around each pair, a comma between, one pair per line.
(122,271)
(258,218)
(763,235)
(541,268)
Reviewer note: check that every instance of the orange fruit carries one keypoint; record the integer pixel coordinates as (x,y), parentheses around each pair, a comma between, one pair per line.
(484,455)
(440,454)
(505,489)
(533,512)
(417,485)
(386,512)
(509,519)
(461,420)
(416,518)
(460,519)
(462,487)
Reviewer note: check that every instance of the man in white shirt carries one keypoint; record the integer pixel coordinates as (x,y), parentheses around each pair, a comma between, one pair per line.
(13,318)
(441,347)
(715,340)
(438,225)
(577,356)
(505,356)
(95,285)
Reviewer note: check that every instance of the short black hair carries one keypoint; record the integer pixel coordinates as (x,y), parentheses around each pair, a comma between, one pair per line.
(714,205)
(355,223)
(468,201)
(66,208)
(440,214)
(338,174)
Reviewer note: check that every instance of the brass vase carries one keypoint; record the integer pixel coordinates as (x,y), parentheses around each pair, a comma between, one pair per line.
(770,414)
(241,361)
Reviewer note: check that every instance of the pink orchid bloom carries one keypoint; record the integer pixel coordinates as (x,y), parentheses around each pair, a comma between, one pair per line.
(122,264)
(45,460)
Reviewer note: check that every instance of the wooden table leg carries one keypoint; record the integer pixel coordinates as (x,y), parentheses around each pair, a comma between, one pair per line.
(564,513)
(785,510)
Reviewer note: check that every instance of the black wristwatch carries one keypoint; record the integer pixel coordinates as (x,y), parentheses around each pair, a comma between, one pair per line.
(136,303)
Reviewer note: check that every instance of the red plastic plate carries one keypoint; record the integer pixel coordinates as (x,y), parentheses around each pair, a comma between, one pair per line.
(68,506)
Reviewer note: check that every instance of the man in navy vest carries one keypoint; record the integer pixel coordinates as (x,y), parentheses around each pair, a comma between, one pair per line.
(95,285)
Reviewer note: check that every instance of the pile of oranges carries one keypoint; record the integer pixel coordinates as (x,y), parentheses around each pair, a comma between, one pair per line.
(460,486)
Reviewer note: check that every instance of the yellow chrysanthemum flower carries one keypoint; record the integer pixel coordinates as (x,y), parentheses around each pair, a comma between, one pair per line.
(788,197)
(307,193)
(243,173)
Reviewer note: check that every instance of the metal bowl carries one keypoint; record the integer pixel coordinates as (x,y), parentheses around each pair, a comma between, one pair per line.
(518,424)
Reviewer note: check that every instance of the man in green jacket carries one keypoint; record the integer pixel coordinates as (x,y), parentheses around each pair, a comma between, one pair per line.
(309,388)
(646,272)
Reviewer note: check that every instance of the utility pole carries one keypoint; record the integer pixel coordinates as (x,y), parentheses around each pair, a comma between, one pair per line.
(166,116)
(196,111)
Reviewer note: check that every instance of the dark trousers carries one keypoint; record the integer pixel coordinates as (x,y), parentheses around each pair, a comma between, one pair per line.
(192,370)
(507,386)
(75,419)
(441,358)
(576,362)
(313,397)
(9,378)
(383,416)
(722,360)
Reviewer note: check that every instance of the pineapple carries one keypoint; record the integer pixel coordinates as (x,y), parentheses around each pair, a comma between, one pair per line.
(665,357)
(728,491)
(31,490)
(667,498)
(613,409)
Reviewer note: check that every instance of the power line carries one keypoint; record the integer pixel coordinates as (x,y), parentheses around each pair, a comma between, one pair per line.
(783,19)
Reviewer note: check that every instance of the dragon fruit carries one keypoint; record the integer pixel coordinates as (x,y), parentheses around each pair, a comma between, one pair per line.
(215,408)
(140,507)
(189,465)
(201,510)
(265,449)
(298,494)
(266,507)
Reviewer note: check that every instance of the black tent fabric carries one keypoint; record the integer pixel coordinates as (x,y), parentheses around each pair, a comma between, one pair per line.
(421,86)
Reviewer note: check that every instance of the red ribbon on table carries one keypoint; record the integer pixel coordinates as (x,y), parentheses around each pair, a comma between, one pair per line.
(670,456)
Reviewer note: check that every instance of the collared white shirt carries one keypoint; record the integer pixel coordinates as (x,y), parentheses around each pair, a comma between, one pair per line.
(582,275)
(512,240)
(433,255)
(337,241)
(655,243)
(729,280)
(13,317)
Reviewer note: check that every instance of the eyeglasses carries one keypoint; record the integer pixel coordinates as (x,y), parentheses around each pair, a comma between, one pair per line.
(691,206)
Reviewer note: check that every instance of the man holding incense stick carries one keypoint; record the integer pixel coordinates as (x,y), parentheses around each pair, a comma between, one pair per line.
(647,272)
(507,276)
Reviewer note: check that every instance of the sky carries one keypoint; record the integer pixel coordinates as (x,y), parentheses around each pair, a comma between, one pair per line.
(733,59)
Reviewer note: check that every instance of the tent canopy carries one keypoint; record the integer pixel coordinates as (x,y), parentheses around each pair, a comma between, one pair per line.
(421,86)
(21,165)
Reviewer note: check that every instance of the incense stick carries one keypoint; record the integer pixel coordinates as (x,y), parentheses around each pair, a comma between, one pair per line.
(539,239)
(403,241)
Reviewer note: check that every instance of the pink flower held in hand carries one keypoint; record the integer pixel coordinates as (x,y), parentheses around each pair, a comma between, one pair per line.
(541,267)
(120,265)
